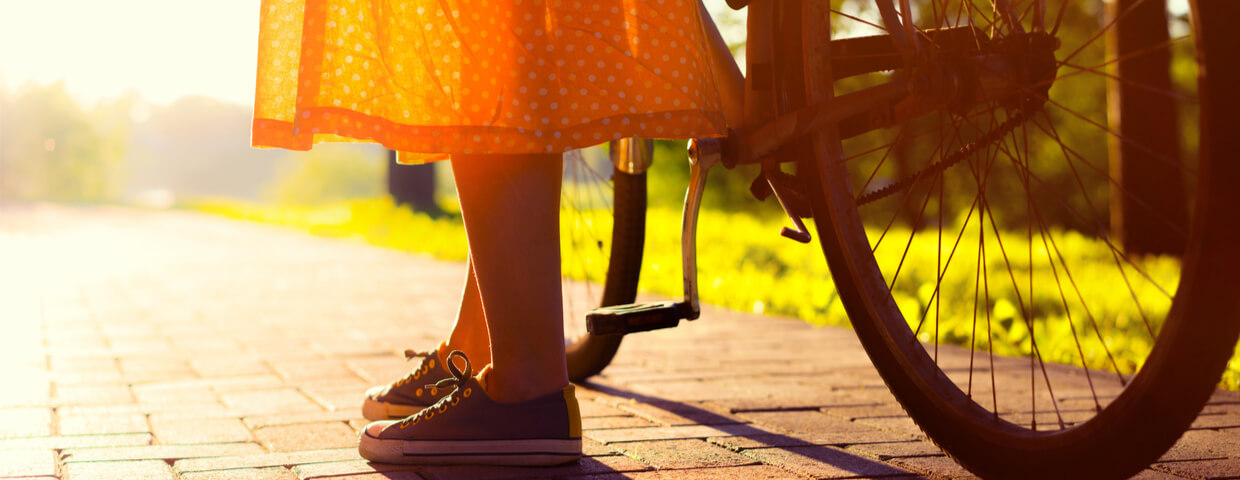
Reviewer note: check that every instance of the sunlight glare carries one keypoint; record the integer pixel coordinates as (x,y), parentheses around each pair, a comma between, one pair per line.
(161,50)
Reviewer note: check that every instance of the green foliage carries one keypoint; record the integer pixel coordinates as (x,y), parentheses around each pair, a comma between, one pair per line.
(329,173)
(377,221)
(744,264)
(728,190)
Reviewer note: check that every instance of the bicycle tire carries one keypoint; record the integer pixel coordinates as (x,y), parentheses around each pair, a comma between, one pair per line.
(587,354)
(1158,404)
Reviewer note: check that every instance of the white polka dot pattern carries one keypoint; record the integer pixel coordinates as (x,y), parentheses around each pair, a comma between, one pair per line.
(481,76)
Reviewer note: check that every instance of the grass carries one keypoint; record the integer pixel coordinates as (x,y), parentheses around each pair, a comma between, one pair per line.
(744,264)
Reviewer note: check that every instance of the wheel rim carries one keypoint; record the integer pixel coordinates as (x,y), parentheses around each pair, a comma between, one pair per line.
(586,202)
(927,377)
(602,231)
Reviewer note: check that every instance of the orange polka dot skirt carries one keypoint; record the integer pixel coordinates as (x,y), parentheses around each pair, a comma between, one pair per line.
(435,77)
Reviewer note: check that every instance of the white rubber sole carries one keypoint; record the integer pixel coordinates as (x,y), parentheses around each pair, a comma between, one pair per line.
(471,452)
(375,410)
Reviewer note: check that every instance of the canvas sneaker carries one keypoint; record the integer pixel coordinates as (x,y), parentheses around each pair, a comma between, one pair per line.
(468,427)
(408,395)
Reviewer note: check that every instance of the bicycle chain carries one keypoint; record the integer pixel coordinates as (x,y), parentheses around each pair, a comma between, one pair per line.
(938,167)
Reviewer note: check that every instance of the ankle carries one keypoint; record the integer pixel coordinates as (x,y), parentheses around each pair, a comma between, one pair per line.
(478,355)
(513,389)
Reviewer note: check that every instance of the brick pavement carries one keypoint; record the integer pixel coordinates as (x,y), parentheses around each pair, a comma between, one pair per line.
(167,345)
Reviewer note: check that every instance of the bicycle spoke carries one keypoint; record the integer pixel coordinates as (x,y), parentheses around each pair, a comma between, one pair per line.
(1069,154)
(1102,31)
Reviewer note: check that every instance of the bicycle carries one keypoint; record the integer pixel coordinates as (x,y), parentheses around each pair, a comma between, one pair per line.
(989,82)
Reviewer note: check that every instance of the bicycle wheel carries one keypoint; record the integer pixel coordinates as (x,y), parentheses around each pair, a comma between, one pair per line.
(602,231)
(1084,355)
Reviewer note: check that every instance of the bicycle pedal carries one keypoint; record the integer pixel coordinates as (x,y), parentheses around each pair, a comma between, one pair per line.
(636,317)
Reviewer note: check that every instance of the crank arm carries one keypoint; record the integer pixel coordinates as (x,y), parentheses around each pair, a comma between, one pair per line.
(704,154)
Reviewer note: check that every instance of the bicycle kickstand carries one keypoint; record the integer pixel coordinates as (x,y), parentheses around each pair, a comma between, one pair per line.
(704,154)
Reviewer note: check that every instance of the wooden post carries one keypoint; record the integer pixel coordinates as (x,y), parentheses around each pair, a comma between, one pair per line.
(1149,211)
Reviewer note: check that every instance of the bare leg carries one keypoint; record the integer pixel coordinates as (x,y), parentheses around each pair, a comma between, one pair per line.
(510,205)
(469,334)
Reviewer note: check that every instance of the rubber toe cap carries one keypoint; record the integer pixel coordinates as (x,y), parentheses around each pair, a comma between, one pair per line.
(375,428)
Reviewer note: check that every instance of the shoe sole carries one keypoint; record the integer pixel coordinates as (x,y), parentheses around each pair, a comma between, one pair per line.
(532,452)
(376,410)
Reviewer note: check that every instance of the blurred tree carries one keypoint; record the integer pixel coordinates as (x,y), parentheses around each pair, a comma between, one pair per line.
(52,151)
(198,146)
(330,172)
(412,185)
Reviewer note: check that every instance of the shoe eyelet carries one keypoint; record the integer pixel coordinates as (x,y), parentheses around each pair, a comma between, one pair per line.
(443,408)
(468,391)
(418,393)
(430,414)
(456,400)
(434,391)
(431,364)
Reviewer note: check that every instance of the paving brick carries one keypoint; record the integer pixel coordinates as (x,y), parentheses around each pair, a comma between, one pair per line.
(744,472)
(620,421)
(380,369)
(766,394)
(811,421)
(591,448)
(92,394)
(901,424)
(270,401)
(174,395)
(25,422)
(27,463)
(146,470)
(162,452)
(855,411)
(395,475)
(100,424)
(762,440)
(888,450)
(1151,474)
(313,369)
(1217,421)
(822,462)
(676,414)
(670,433)
(176,429)
(942,467)
(346,468)
(591,408)
(132,367)
(1210,443)
(1209,469)
(331,397)
(309,436)
(241,334)
(263,421)
(585,466)
(266,460)
(269,473)
(78,441)
(663,454)
(228,367)
(185,409)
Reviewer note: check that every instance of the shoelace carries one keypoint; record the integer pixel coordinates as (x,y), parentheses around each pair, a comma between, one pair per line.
(414,375)
(455,381)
